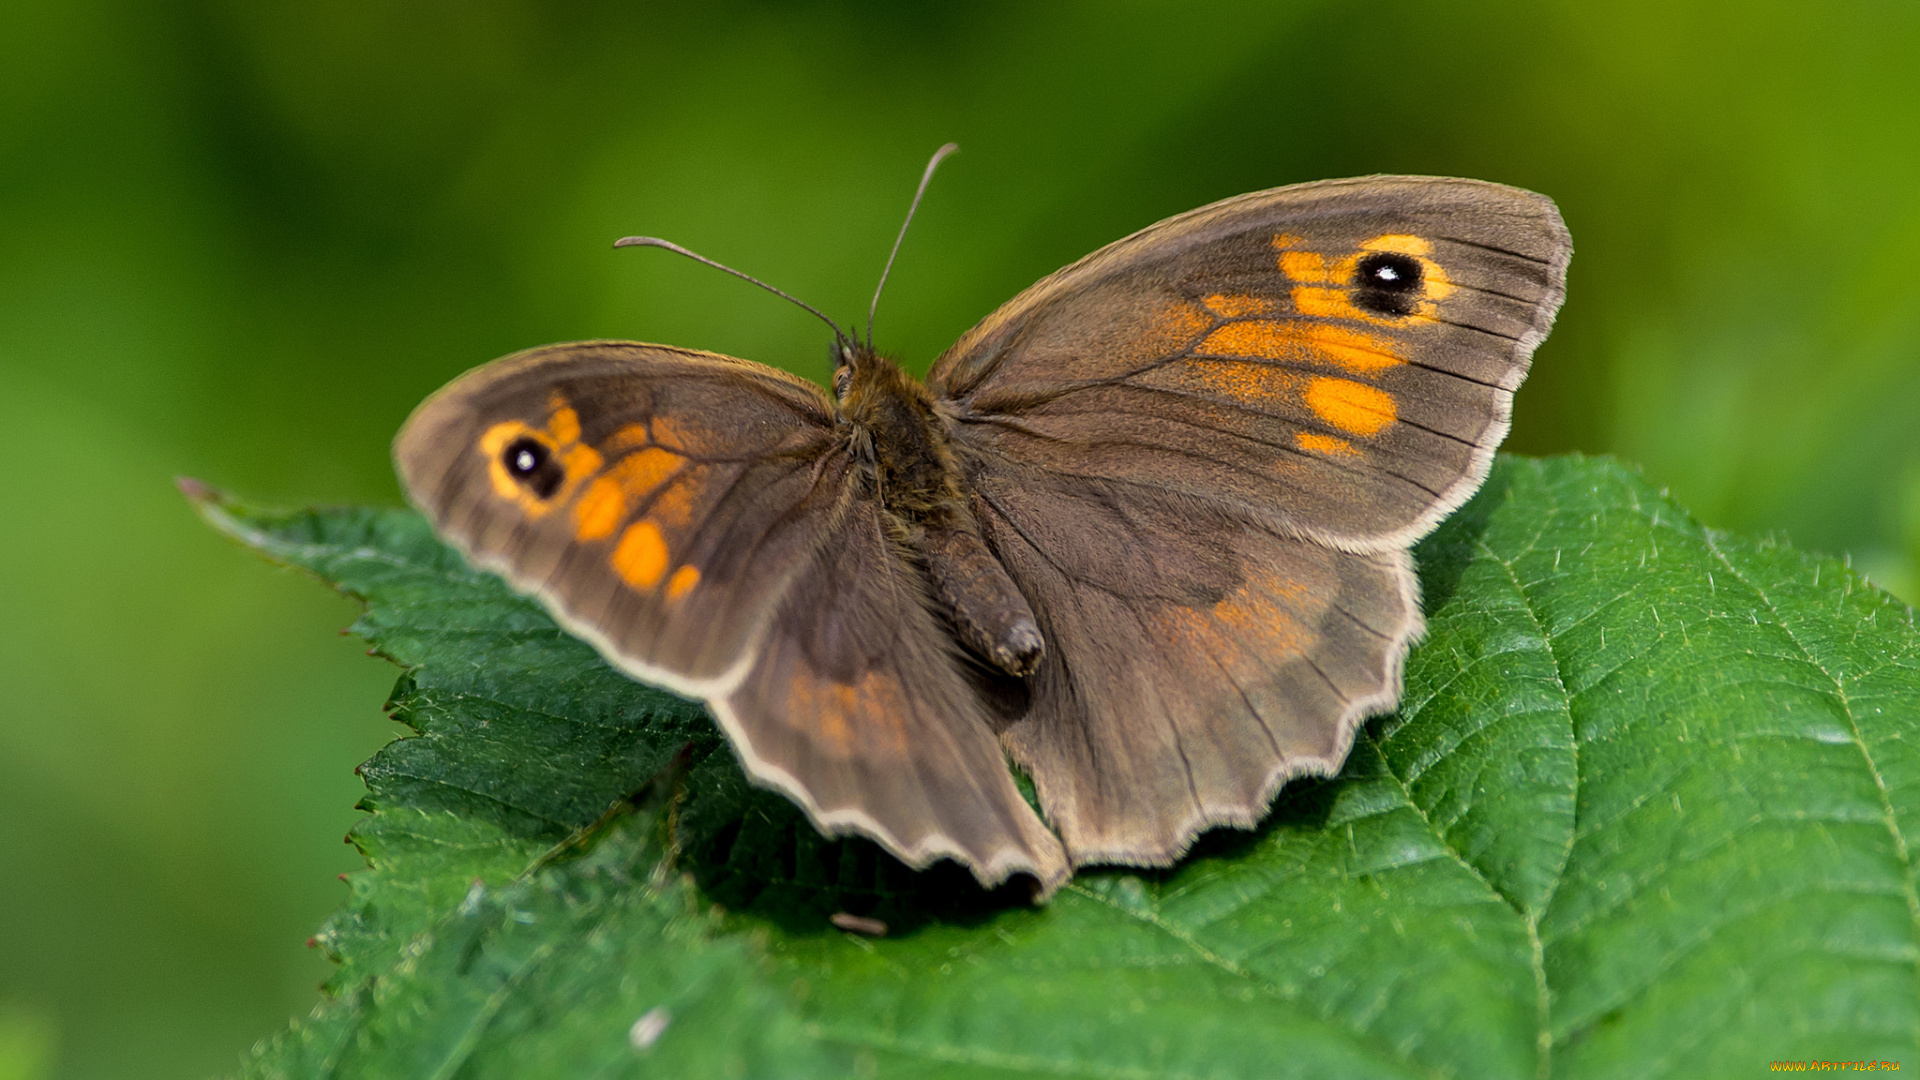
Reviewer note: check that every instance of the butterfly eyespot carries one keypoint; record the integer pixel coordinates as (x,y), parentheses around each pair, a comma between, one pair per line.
(1388,282)
(530,462)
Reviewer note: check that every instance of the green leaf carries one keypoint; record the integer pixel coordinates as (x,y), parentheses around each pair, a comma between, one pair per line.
(1648,809)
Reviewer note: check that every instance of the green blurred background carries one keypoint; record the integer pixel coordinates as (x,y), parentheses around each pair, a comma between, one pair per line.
(239,240)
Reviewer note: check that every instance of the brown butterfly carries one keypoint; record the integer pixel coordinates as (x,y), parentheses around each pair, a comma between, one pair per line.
(1144,530)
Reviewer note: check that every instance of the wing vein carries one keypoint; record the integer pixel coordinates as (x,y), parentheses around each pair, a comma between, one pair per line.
(1498,250)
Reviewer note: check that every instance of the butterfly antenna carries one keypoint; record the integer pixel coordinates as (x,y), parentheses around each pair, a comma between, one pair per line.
(654,241)
(925,177)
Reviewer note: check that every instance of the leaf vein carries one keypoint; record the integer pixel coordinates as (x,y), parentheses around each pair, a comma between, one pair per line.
(1891,816)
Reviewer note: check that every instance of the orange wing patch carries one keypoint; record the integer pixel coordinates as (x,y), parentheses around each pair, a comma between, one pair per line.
(676,436)
(674,507)
(1239,381)
(682,582)
(1261,619)
(631,437)
(1354,350)
(1266,607)
(1173,329)
(1226,363)
(836,709)
(1254,328)
(1323,288)
(639,474)
(641,556)
(563,422)
(1240,306)
(600,510)
(630,479)
(1330,445)
(1355,408)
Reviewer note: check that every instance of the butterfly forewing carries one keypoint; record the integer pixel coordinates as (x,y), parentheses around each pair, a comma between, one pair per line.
(666,499)
(1336,357)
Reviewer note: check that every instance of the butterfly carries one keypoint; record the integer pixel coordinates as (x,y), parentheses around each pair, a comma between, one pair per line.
(1145,530)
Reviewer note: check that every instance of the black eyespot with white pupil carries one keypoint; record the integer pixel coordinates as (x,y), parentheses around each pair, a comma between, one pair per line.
(530,462)
(1388,282)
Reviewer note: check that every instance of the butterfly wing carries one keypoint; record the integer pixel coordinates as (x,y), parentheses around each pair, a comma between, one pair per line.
(1338,358)
(857,708)
(1203,452)
(1197,659)
(700,521)
(672,495)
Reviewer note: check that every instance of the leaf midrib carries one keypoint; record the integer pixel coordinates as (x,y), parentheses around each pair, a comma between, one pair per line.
(1537,955)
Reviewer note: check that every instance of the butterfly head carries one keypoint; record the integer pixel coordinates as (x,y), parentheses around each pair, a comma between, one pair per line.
(862,377)
(842,353)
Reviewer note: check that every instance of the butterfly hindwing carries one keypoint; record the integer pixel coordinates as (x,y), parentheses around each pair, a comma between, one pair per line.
(1199,659)
(857,709)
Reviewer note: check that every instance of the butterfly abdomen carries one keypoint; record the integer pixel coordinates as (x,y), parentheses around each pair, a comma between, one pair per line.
(919,484)
(982,602)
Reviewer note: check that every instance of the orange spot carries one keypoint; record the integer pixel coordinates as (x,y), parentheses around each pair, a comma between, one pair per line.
(1262,625)
(641,556)
(841,715)
(580,463)
(1239,305)
(682,582)
(1285,240)
(1271,340)
(1350,406)
(1261,617)
(1252,619)
(1311,267)
(1174,328)
(674,507)
(642,472)
(1324,444)
(1268,340)
(674,435)
(1242,383)
(631,437)
(564,423)
(830,712)
(600,509)
(1335,304)
(1402,243)
(1352,349)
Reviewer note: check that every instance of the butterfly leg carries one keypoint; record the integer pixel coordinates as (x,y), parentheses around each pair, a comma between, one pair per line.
(986,607)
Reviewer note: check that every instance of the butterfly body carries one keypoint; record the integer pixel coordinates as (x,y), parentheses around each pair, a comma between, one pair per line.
(916,477)
(1145,529)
